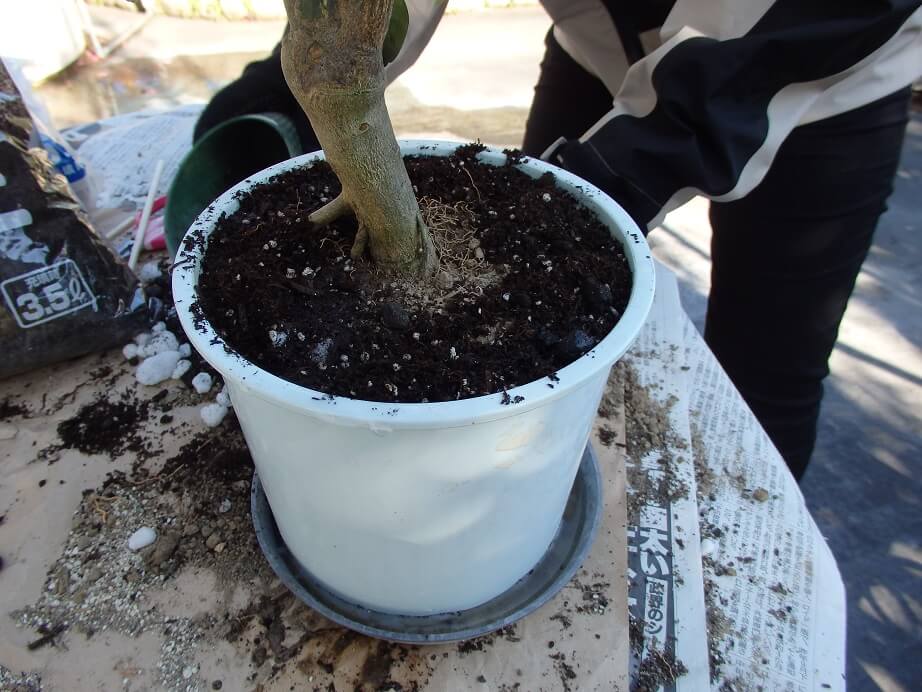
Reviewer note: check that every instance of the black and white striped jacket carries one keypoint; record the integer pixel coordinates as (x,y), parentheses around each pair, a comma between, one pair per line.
(705,111)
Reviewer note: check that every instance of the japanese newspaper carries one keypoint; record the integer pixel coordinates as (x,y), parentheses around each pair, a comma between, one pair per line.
(665,596)
(719,536)
(773,584)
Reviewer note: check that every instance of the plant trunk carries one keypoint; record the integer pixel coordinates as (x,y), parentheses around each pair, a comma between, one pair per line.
(331,57)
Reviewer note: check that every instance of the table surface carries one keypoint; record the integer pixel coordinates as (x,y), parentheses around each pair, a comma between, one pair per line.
(767,585)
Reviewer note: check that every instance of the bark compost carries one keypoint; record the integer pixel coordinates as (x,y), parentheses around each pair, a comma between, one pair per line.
(537,282)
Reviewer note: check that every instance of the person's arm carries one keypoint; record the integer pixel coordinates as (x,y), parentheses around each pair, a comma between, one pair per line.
(706,112)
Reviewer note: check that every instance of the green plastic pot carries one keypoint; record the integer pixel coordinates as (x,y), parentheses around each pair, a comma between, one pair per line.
(227,154)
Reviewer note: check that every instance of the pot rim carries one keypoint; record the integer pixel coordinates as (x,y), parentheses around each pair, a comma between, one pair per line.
(445,414)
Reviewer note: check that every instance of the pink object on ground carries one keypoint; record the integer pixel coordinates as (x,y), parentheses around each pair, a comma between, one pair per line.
(154,238)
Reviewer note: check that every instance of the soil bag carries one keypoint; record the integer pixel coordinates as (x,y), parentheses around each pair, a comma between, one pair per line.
(63,291)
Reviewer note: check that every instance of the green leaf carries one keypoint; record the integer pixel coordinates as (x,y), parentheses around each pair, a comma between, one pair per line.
(396,31)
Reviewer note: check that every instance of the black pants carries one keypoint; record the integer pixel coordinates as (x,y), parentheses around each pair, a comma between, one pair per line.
(784,259)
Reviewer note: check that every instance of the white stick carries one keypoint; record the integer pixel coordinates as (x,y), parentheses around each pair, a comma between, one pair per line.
(121,228)
(145,216)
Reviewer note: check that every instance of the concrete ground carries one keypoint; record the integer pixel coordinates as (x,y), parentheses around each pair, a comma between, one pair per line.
(864,486)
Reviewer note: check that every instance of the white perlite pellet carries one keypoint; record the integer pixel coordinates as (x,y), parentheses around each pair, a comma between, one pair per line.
(157,368)
(182,367)
(142,538)
(161,341)
(202,382)
(223,398)
(212,414)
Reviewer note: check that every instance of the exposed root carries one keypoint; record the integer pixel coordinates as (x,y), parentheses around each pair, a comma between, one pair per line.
(361,242)
(447,242)
(99,509)
(339,207)
(452,231)
(473,184)
(461,270)
(330,212)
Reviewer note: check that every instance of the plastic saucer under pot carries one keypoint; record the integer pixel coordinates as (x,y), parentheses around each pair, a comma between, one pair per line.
(553,571)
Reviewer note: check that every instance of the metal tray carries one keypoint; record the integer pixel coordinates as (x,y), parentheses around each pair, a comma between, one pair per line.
(558,565)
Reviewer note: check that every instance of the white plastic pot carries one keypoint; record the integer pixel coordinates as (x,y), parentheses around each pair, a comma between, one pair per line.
(418,508)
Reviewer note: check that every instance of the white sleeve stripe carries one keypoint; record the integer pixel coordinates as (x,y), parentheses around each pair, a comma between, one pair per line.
(789,107)
(688,19)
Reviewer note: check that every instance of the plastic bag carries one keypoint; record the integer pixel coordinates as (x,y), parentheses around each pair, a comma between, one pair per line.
(64,293)
(45,134)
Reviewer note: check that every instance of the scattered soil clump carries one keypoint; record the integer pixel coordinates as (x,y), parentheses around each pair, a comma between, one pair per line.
(652,479)
(198,504)
(649,431)
(594,597)
(657,668)
(12,409)
(105,426)
(718,629)
(482,643)
(24,682)
(705,479)
(646,419)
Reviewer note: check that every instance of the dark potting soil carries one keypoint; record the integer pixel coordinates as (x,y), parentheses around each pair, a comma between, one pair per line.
(530,281)
(105,426)
(12,409)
